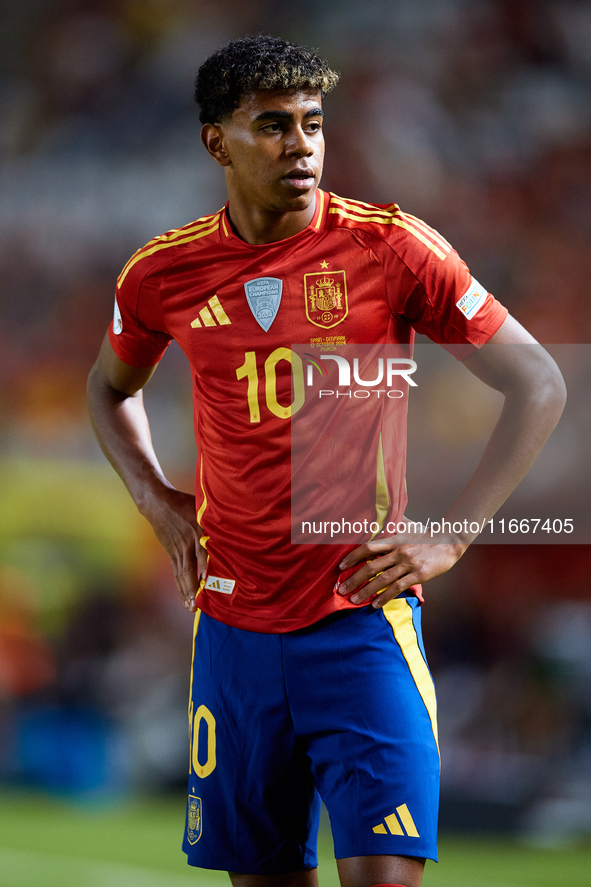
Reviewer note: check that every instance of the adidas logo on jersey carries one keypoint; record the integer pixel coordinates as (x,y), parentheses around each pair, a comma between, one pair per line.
(395,827)
(216,317)
(215,583)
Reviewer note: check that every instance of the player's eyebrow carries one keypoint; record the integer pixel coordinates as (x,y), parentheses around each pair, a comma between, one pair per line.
(286,115)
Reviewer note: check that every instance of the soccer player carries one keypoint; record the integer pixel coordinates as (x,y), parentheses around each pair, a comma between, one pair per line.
(309,677)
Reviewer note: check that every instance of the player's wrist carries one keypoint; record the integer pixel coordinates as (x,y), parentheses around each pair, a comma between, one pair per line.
(459,534)
(151,494)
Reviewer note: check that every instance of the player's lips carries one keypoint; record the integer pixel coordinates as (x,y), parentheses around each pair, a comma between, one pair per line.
(300,178)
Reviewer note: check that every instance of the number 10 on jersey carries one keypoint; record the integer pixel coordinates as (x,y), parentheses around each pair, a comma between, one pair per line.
(249,371)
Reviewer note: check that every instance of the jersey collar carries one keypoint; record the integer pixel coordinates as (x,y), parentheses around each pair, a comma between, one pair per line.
(316,224)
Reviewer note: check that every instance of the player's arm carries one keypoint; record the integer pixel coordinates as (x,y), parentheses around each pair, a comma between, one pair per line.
(513,363)
(121,426)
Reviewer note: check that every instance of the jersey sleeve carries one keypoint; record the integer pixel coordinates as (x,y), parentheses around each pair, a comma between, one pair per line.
(138,331)
(446,303)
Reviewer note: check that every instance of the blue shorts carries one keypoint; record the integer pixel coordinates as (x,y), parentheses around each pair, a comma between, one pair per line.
(343,710)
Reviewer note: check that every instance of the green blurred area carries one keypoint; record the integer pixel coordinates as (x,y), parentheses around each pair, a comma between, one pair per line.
(49,843)
(81,503)
(66,526)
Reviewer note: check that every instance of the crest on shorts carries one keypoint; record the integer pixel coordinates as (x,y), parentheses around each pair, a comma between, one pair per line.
(264,296)
(194,819)
(326,298)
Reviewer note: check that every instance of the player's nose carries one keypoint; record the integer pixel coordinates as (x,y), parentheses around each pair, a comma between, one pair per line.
(299,143)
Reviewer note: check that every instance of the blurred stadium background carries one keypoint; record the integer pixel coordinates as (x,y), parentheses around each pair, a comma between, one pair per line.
(473,114)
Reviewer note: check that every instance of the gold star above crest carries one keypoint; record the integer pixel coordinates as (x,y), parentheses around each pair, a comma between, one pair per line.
(324,264)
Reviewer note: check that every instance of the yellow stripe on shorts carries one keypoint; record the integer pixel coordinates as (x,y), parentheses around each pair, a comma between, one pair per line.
(398,612)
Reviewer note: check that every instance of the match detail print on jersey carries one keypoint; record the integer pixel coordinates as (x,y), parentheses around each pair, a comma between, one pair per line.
(263,295)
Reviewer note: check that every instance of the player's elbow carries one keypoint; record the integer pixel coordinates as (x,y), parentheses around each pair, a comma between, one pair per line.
(99,390)
(553,385)
(93,382)
(546,388)
(96,383)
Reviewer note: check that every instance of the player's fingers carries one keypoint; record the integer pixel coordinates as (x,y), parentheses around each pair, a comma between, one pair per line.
(201,555)
(186,571)
(367,571)
(394,590)
(414,568)
(187,583)
(381,582)
(361,553)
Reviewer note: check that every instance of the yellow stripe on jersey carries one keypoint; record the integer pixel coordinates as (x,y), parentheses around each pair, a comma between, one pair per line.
(223,218)
(427,229)
(399,614)
(204,502)
(357,206)
(360,208)
(393,221)
(382,496)
(216,306)
(198,229)
(174,234)
(391,216)
(320,194)
(177,233)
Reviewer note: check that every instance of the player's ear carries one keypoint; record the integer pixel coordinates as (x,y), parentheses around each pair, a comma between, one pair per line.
(212,136)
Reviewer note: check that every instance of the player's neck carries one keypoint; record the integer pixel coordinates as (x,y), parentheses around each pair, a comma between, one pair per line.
(258,226)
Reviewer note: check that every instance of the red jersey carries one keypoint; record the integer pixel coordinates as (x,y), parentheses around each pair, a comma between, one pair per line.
(358,274)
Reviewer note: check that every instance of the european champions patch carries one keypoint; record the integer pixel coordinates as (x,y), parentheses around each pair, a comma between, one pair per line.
(264,296)
(472,300)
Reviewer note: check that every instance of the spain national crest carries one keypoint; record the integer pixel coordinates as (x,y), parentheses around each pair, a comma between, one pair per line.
(194,819)
(326,298)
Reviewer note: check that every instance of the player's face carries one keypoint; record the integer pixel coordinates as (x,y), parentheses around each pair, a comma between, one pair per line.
(275,149)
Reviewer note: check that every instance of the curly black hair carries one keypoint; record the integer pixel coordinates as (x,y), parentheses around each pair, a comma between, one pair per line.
(251,63)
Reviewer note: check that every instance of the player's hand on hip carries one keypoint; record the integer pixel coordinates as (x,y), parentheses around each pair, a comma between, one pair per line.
(391,566)
(173,518)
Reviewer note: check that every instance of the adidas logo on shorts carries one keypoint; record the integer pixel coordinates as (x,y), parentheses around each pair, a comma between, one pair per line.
(398,826)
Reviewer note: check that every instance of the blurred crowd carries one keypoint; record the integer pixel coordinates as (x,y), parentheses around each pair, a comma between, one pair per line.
(472,114)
